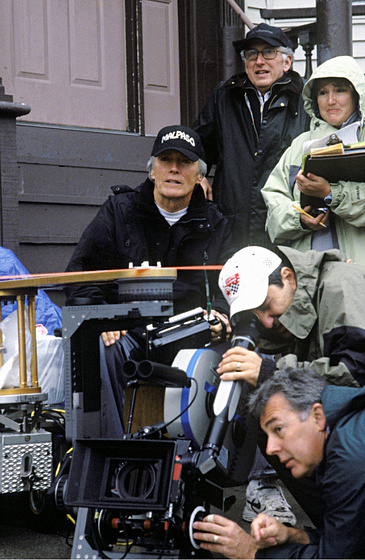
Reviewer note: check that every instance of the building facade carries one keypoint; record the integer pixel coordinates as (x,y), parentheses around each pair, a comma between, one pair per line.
(101,77)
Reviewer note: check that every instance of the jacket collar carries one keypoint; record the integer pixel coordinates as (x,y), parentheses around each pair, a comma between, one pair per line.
(198,208)
(290,81)
(290,84)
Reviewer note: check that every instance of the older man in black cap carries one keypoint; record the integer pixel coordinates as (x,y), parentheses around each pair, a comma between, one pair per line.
(165,220)
(246,125)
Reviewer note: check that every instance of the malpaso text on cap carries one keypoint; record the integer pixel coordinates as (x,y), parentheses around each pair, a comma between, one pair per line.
(178,135)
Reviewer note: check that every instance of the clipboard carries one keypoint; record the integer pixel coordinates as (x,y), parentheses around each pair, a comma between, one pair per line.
(334,167)
(349,166)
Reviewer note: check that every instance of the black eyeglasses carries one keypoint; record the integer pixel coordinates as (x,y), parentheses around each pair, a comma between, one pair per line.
(269,53)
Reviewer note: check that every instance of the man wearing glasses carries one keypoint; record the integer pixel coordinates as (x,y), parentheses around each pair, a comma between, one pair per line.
(246,125)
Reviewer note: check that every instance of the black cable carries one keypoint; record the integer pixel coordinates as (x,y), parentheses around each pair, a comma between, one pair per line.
(129,544)
(165,538)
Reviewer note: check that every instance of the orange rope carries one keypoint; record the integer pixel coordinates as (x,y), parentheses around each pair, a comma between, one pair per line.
(56,274)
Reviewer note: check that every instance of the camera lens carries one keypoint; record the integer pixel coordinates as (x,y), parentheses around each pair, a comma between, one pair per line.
(135,480)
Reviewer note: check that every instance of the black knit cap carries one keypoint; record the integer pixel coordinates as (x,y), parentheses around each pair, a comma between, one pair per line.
(180,138)
(271,35)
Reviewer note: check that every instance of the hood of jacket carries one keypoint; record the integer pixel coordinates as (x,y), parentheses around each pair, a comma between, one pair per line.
(307,267)
(338,67)
(340,401)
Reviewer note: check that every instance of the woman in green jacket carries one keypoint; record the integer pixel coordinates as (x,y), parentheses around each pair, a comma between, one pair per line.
(334,97)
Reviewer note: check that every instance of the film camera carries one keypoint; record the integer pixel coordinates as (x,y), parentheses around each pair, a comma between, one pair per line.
(139,496)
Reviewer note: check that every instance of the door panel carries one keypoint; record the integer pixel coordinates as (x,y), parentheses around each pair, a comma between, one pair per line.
(160,64)
(65,58)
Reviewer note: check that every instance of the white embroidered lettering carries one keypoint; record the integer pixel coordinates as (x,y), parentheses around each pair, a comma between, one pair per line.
(178,134)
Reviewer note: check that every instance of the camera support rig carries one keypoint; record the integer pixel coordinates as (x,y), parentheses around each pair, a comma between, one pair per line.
(163,526)
(144,488)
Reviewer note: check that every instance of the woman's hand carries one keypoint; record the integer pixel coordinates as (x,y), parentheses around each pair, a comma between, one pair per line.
(317,223)
(313,185)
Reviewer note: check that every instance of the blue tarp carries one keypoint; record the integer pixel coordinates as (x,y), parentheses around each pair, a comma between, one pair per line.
(46,312)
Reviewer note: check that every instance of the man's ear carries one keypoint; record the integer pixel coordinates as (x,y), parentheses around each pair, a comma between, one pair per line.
(287,273)
(287,63)
(319,416)
(152,174)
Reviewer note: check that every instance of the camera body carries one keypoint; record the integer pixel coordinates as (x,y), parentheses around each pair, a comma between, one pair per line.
(186,330)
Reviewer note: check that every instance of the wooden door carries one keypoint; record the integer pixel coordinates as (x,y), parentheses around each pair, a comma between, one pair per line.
(65,58)
(160,64)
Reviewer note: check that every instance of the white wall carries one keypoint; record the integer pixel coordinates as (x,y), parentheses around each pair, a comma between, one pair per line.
(252,10)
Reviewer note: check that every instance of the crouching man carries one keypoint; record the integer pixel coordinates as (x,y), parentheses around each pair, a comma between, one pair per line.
(315,430)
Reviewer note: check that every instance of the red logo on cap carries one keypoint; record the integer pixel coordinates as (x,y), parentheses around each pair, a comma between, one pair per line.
(232,284)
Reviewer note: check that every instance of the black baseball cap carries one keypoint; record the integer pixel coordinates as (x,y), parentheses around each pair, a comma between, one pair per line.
(272,35)
(180,138)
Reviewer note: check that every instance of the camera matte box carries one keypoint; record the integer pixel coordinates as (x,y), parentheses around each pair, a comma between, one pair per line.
(131,475)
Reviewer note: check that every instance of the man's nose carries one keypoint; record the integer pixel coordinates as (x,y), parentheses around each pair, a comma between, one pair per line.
(266,319)
(260,58)
(174,166)
(272,447)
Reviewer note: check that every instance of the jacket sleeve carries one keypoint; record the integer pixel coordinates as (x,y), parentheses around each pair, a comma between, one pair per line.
(340,326)
(348,199)
(348,202)
(95,251)
(283,220)
(335,374)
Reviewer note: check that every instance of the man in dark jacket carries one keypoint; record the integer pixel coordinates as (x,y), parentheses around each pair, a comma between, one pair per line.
(165,220)
(317,431)
(247,124)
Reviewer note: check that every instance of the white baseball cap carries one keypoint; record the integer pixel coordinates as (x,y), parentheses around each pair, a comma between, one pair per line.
(244,279)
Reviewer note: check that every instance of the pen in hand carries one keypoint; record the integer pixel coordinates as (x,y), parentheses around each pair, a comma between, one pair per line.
(306,214)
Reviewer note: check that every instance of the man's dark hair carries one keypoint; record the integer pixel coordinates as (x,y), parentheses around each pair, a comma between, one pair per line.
(275,276)
(302,387)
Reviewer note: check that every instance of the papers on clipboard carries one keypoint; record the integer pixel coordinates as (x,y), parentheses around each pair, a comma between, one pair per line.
(335,160)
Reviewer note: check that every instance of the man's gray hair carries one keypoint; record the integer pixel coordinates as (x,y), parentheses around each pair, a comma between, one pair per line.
(302,387)
(285,51)
(202,166)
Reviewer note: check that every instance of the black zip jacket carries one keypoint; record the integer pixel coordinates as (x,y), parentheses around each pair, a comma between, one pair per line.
(245,148)
(129,229)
